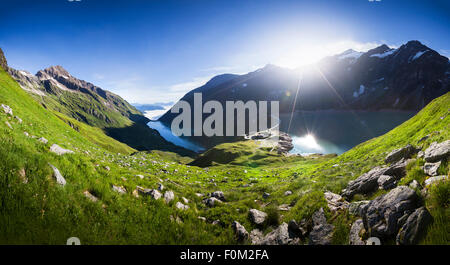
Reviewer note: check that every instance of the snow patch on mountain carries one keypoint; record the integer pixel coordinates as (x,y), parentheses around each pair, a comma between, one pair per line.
(385,54)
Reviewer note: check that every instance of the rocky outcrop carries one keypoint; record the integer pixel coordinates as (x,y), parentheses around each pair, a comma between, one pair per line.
(415,227)
(437,151)
(257,217)
(368,182)
(386,182)
(401,153)
(3,62)
(322,232)
(59,150)
(58,176)
(240,232)
(284,143)
(383,214)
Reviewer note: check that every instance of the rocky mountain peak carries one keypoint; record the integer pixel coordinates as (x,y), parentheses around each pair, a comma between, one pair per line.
(378,50)
(56,71)
(3,62)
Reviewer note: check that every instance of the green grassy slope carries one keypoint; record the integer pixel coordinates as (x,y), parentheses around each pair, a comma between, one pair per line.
(42,212)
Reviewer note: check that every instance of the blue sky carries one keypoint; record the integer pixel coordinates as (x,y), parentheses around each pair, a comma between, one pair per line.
(155,51)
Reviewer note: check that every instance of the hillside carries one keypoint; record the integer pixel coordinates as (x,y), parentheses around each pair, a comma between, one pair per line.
(114,195)
(56,89)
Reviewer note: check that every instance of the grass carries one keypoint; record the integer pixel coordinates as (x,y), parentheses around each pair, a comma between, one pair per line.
(42,212)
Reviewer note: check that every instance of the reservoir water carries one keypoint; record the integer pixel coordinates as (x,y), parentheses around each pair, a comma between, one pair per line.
(318,131)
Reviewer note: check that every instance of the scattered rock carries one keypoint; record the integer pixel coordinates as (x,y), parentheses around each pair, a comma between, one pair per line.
(59,150)
(91,197)
(216,222)
(119,189)
(18,119)
(57,175)
(202,218)
(386,182)
(140,176)
(181,206)
(160,187)
(335,202)
(239,230)
(437,152)
(169,196)
(43,140)
(381,216)
(9,125)
(107,168)
(7,109)
(185,200)
(287,193)
(414,228)
(431,169)
(257,217)
(218,195)
(355,230)
(149,192)
(199,195)
(398,154)
(266,195)
(26,134)
(433,180)
(210,202)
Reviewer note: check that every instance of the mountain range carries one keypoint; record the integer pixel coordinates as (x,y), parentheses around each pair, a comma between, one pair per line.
(404,78)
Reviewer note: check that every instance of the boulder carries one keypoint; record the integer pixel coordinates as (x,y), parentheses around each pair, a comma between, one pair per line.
(119,189)
(433,180)
(381,216)
(57,175)
(335,202)
(414,228)
(160,187)
(181,206)
(437,151)
(218,195)
(368,182)
(59,150)
(431,169)
(355,230)
(7,109)
(322,232)
(240,232)
(279,236)
(155,194)
(257,217)
(398,154)
(211,202)
(169,196)
(365,183)
(386,182)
